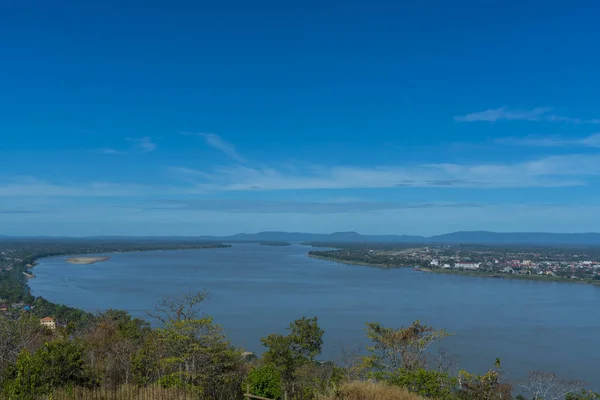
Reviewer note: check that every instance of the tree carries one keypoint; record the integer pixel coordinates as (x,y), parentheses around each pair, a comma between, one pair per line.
(178,308)
(401,348)
(16,335)
(110,344)
(428,383)
(548,386)
(583,395)
(306,337)
(484,387)
(57,364)
(289,352)
(265,381)
(189,351)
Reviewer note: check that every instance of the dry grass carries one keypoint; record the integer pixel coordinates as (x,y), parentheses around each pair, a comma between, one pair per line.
(371,391)
(124,392)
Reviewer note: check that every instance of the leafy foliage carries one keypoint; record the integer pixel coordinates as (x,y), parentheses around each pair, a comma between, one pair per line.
(288,353)
(583,395)
(57,364)
(265,381)
(429,383)
(484,387)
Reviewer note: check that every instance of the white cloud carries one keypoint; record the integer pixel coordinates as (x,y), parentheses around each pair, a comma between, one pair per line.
(536,114)
(290,206)
(33,187)
(503,113)
(553,141)
(218,143)
(111,151)
(554,171)
(143,144)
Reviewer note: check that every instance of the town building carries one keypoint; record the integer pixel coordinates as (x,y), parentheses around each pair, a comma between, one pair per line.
(467,265)
(48,322)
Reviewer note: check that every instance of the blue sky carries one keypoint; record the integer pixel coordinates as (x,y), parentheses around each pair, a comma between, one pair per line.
(416,117)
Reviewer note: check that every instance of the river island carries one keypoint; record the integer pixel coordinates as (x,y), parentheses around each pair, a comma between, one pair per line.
(86,260)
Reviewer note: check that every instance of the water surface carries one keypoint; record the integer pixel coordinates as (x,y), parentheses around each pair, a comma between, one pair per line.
(256,290)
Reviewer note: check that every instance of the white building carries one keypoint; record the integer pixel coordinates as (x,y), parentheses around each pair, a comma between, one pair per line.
(467,265)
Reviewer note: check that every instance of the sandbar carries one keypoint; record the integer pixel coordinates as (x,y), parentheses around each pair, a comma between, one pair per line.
(86,260)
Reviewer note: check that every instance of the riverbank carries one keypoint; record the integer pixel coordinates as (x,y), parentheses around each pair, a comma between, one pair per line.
(86,260)
(15,285)
(508,276)
(462,272)
(349,262)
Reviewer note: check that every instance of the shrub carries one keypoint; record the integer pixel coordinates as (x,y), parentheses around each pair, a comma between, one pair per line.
(265,381)
(428,383)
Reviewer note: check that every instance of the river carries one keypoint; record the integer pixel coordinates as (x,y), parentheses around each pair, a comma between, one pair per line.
(256,290)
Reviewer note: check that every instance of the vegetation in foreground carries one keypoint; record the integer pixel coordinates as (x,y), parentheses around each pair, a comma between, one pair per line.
(188,357)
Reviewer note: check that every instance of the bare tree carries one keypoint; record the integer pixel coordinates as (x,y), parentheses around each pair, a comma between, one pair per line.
(402,347)
(548,386)
(16,335)
(181,308)
(350,362)
(443,362)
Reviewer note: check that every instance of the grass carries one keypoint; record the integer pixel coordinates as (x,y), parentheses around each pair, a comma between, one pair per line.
(356,390)
(124,392)
(371,391)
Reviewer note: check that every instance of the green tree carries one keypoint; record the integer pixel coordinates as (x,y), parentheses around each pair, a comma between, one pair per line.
(265,381)
(57,364)
(306,337)
(428,383)
(189,351)
(583,395)
(289,352)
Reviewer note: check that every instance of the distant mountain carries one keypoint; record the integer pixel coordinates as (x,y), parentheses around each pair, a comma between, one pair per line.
(337,237)
(466,237)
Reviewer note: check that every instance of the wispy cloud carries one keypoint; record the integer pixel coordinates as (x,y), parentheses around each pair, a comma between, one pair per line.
(297,207)
(552,141)
(111,151)
(536,114)
(143,144)
(503,113)
(33,187)
(553,171)
(218,143)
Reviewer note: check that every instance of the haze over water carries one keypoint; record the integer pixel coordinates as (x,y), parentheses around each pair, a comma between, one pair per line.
(256,290)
